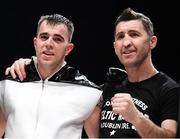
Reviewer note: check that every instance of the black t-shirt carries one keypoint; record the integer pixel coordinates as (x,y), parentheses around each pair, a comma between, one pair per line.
(156,98)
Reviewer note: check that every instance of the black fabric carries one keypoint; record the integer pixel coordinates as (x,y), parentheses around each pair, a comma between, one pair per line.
(66,74)
(155,97)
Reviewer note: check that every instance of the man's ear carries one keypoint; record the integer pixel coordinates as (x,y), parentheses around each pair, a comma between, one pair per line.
(69,48)
(153,42)
(34,41)
(114,46)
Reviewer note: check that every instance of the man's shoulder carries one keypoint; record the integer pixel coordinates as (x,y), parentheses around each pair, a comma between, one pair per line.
(71,74)
(115,78)
(166,81)
(115,74)
(166,78)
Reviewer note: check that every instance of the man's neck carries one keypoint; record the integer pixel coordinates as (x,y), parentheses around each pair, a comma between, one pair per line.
(137,74)
(47,72)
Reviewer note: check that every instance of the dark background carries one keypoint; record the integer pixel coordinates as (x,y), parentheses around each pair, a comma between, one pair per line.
(93,37)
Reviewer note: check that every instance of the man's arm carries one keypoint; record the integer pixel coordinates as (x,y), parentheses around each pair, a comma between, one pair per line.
(18,68)
(146,128)
(123,104)
(92,124)
(2,124)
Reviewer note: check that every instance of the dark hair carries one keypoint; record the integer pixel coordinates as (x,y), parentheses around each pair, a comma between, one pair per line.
(129,14)
(55,19)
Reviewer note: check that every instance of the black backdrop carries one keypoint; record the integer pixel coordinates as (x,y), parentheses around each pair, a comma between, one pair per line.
(93,37)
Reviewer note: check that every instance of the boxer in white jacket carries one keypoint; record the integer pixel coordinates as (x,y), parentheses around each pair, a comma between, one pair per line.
(54,100)
(55,107)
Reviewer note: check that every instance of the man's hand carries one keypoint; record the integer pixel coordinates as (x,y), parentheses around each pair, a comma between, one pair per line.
(123,104)
(18,67)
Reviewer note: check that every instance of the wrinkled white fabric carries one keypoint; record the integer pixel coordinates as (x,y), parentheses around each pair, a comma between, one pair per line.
(46,109)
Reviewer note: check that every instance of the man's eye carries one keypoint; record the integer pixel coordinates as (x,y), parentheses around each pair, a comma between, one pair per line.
(58,39)
(119,37)
(44,37)
(134,34)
